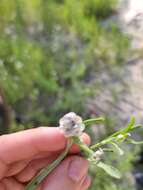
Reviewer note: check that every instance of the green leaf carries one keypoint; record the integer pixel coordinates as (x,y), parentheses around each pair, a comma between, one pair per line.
(131,127)
(113,172)
(94,121)
(136,127)
(131,124)
(118,149)
(108,150)
(132,141)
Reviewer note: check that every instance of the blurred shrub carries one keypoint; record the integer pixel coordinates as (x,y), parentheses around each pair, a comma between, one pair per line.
(102,181)
(50,54)
(100,9)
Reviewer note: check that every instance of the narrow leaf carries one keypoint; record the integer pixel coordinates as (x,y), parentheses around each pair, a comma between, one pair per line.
(113,172)
(135,142)
(118,149)
(131,124)
(94,121)
(136,127)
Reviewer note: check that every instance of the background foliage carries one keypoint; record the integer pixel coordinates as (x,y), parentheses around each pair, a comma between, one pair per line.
(51,53)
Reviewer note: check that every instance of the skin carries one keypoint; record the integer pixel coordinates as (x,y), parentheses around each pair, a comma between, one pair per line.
(23,154)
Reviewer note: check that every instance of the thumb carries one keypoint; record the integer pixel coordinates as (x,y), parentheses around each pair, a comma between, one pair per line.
(70,174)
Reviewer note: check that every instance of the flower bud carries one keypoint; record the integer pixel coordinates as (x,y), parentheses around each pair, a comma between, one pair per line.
(120,137)
(98,154)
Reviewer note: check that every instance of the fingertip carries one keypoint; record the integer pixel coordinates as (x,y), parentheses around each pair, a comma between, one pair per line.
(50,138)
(26,144)
(87,182)
(86,138)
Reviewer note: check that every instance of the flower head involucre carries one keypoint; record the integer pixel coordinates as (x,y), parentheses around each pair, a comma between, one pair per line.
(72,125)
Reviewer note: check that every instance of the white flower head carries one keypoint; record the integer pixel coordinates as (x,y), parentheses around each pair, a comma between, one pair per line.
(72,125)
(98,154)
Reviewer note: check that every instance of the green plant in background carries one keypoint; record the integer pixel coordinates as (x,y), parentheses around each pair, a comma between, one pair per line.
(72,126)
(100,8)
(51,55)
(102,181)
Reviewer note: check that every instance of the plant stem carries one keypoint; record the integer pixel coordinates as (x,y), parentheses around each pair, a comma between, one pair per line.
(44,172)
(105,141)
(83,147)
(94,121)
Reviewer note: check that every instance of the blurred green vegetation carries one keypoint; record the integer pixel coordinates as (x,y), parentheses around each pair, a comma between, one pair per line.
(50,52)
(124,163)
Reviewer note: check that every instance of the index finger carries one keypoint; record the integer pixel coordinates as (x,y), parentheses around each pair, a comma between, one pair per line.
(26,144)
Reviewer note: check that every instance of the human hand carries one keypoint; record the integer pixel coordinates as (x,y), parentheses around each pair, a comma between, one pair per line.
(25,153)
